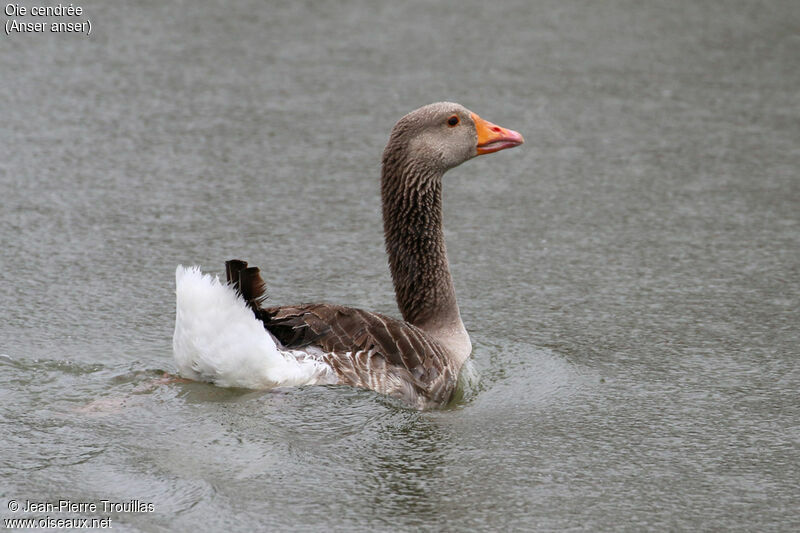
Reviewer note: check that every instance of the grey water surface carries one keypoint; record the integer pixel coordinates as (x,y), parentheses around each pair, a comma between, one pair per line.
(630,276)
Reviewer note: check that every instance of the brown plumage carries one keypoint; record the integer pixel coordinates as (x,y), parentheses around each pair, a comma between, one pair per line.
(369,350)
(416,359)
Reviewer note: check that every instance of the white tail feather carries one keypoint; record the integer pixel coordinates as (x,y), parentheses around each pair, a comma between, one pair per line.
(218,339)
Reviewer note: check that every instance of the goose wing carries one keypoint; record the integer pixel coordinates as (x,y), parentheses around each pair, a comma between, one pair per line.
(368,350)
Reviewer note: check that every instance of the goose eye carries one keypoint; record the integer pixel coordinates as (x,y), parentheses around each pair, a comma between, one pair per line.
(452,121)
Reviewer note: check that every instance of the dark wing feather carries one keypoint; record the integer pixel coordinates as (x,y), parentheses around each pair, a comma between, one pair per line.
(369,350)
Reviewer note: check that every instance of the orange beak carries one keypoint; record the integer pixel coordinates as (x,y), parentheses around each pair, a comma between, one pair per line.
(493,138)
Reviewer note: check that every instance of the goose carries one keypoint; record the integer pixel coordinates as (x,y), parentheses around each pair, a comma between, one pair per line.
(225,335)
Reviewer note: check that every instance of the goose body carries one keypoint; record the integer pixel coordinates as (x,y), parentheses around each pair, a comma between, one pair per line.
(224,335)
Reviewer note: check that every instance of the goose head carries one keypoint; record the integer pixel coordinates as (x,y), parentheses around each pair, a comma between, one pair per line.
(440,136)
